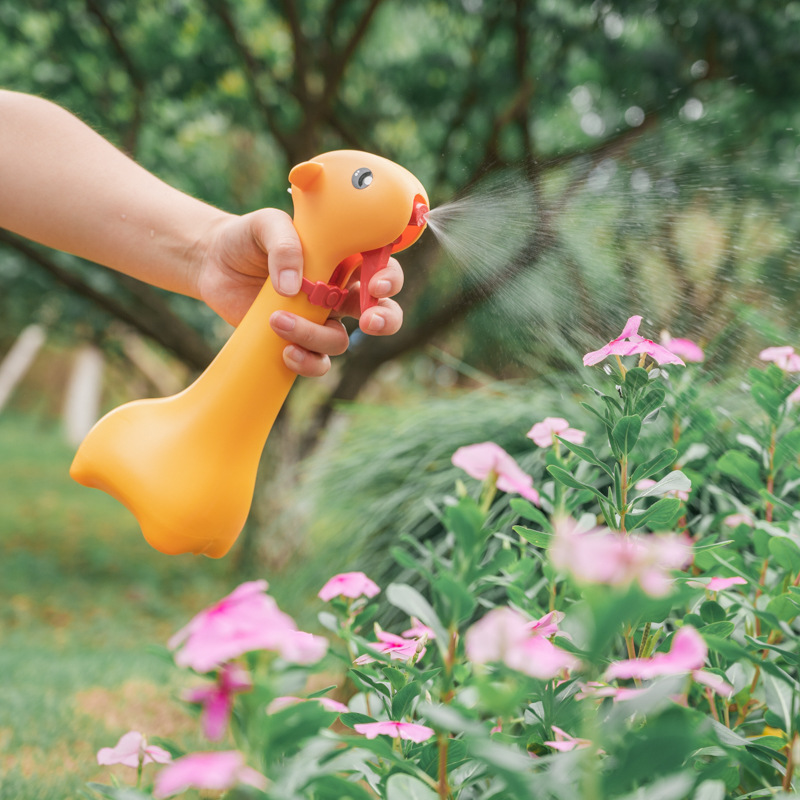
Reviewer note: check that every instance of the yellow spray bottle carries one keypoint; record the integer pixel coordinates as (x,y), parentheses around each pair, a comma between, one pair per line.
(186,465)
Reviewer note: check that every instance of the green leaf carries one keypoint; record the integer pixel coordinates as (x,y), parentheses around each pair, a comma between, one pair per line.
(783,607)
(536,538)
(333,787)
(721,629)
(402,786)
(674,481)
(465,520)
(712,611)
(649,406)
(791,658)
(786,553)
(626,433)
(604,419)
(322,692)
(636,378)
(397,678)
(661,516)
(741,467)
(780,699)
(353,718)
(768,398)
(787,448)
(366,683)
(408,599)
(454,598)
(666,458)
(585,454)
(528,510)
(565,477)
(402,701)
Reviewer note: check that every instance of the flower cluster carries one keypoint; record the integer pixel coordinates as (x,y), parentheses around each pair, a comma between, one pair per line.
(607,602)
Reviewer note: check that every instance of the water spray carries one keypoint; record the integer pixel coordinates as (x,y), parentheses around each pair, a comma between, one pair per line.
(186,465)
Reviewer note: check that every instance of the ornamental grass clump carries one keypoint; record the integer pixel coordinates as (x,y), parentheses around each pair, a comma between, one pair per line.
(618,621)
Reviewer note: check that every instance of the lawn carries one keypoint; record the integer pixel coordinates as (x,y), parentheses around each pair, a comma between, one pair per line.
(85,606)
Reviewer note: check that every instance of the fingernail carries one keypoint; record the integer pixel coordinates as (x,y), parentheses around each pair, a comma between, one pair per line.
(377,323)
(289,282)
(295,354)
(283,321)
(382,288)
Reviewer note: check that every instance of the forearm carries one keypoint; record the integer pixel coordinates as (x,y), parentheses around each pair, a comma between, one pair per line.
(65,186)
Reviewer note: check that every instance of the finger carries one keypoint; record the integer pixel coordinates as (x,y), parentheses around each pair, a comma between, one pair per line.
(276,235)
(384,319)
(388,281)
(329,339)
(306,363)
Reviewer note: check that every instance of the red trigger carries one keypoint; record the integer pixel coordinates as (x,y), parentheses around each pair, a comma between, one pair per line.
(374,261)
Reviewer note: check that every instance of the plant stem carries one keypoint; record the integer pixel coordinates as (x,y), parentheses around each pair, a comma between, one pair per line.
(623,469)
(443,787)
(711,704)
(771,475)
(790,765)
(645,637)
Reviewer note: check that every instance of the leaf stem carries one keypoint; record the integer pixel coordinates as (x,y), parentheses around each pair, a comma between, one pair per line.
(623,480)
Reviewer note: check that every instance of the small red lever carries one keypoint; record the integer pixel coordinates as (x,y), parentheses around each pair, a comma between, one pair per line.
(374,261)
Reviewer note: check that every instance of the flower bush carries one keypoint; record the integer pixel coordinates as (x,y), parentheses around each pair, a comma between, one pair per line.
(627,628)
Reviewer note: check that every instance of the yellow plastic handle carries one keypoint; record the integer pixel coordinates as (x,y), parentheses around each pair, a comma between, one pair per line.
(186,465)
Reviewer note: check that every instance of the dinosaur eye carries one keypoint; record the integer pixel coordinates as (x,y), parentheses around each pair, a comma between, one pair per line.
(362,178)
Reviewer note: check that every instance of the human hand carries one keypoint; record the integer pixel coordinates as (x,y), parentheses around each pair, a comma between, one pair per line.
(235,259)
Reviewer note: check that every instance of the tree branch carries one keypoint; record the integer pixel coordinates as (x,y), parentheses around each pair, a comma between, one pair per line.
(252,70)
(131,136)
(151,316)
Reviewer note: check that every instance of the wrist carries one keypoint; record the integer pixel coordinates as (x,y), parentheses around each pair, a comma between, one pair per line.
(199,256)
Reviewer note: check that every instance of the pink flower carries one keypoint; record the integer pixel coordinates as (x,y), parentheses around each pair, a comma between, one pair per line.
(717,584)
(397,730)
(418,630)
(215,771)
(564,742)
(629,343)
(546,625)
(396,647)
(540,658)
(132,750)
(348,584)
(543,433)
(505,636)
(687,654)
(683,348)
(646,483)
(217,700)
(794,396)
(733,520)
(328,703)
(481,460)
(615,559)
(785,357)
(245,620)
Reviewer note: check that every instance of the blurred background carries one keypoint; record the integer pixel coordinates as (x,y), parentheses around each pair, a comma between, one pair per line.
(591,161)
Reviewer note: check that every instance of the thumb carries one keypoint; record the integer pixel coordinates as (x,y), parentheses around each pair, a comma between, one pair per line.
(277,237)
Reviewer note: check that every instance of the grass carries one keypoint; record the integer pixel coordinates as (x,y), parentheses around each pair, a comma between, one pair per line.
(84,605)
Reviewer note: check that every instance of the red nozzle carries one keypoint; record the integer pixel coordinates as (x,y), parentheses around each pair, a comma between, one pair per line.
(419,214)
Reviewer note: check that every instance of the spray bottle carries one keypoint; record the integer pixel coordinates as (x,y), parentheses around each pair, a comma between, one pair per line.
(186,465)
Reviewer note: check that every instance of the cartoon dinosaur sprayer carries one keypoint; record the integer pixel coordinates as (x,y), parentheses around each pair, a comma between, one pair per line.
(186,465)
